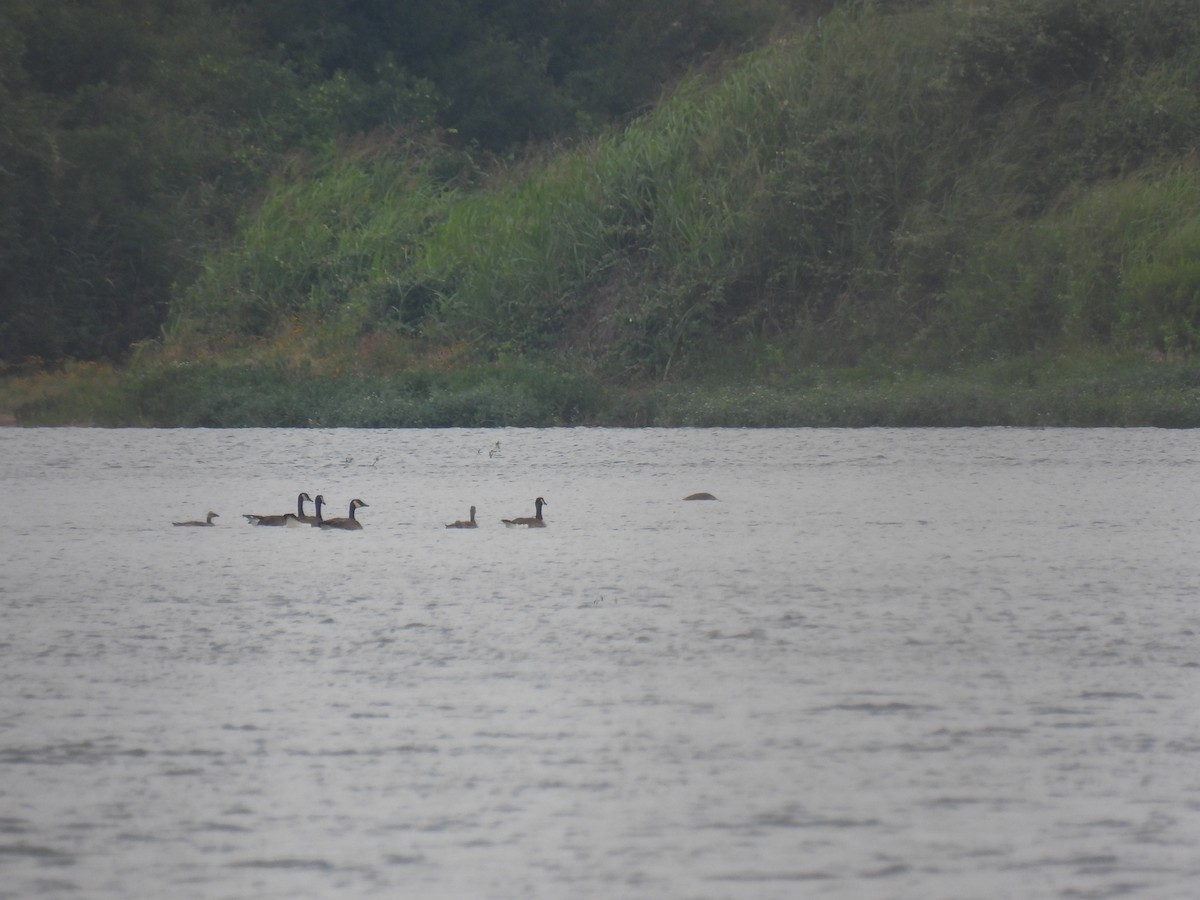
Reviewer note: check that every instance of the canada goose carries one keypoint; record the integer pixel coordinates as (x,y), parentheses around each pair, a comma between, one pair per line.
(703,495)
(348,523)
(285,519)
(465,524)
(208,520)
(316,518)
(534,521)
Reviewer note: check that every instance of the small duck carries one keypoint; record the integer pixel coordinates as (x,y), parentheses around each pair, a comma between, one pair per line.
(534,521)
(208,520)
(461,523)
(285,519)
(346,523)
(702,495)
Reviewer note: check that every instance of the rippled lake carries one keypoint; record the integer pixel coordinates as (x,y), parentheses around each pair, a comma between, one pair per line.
(883,664)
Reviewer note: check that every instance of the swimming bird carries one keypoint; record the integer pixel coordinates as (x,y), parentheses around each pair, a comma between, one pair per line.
(347,523)
(284,519)
(316,518)
(534,521)
(703,495)
(208,520)
(465,523)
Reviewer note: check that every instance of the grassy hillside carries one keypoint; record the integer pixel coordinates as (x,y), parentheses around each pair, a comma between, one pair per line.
(978,191)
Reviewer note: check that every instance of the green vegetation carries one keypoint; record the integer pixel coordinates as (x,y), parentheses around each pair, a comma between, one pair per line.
(1076,391)
(137,133)
(902,213)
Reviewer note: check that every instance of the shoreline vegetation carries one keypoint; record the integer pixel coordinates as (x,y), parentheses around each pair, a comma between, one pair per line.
(911,213)
(1092,391)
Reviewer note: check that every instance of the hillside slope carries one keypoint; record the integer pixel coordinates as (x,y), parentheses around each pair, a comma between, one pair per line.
(948,182)
(910,213)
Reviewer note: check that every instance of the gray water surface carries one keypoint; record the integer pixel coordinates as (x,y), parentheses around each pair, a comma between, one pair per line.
(884,664)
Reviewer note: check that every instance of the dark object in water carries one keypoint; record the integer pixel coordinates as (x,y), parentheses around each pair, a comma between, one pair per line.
(284,519)
(465,523)
(346,523)
(534,521)
(207,521)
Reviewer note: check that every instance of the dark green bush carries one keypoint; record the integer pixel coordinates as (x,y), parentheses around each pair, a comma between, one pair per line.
(1014,48)
(211,395)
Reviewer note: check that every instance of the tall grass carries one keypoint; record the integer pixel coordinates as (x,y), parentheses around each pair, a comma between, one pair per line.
(933,182)
(332,240)
(1116,265)
(222,396)
(1078,390)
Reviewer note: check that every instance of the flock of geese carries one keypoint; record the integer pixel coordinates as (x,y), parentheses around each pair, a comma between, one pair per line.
(349,523)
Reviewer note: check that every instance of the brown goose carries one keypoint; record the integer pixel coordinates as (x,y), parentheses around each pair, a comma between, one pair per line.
(284,519)
(347,523)
(534,521)
(462,523)
(208,520)
(703,495)
(316,518)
